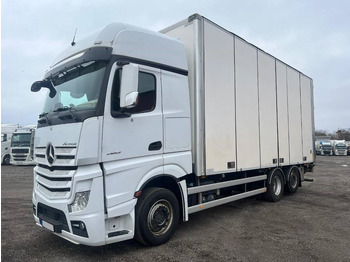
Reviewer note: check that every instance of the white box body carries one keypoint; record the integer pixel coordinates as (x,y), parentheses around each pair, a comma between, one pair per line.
(249,110)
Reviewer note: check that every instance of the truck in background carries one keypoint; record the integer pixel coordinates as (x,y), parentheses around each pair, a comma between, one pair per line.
(324,147)
(348,146)
(22,146)
(6,134)
(141,129)
(339,147)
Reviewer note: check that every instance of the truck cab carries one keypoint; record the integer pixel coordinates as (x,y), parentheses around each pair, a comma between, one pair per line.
(324,148)
(22,146)
(339,147)
(116,118)
(6,134)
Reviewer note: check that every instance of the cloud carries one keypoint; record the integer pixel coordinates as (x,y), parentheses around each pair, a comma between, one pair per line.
(311,36)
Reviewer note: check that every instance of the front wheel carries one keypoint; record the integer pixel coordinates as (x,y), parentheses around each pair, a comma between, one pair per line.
(157,216)
(6,160)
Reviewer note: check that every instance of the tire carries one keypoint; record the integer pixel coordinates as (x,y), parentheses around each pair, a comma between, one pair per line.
(6,160)
(275,186)
(293,180)
(157,216)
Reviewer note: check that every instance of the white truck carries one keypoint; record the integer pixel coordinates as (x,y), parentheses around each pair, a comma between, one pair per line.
(22,146)
(141,129)
(324,147)
(339,148)
(6,134)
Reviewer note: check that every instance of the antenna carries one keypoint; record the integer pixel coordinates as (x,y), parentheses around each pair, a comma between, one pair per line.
(73,42)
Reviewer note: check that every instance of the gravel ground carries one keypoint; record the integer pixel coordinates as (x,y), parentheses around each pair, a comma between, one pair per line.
(311,225)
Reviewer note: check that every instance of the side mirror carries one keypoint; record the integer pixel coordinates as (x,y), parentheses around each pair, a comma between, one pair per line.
(36,86)
(129,86)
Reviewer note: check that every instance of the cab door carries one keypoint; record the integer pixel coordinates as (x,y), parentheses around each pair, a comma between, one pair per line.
(132,139)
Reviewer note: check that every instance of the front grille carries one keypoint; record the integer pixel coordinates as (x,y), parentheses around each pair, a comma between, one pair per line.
(53,216)
(20,150)
(64,155)
(54,183)
(19,159)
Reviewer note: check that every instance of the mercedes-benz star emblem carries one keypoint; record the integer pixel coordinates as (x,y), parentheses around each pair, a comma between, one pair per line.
(50,153)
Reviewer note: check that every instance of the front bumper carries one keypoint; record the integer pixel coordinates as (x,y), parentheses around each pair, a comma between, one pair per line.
(94,227)
(98,229)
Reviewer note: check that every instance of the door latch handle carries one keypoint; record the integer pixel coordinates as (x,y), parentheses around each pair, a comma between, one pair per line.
(155,146)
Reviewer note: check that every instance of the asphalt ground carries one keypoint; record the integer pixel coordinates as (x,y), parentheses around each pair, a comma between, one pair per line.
(311,225)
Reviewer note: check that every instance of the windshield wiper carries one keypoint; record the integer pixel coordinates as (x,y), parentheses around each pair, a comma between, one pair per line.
(66,108)
(44,118)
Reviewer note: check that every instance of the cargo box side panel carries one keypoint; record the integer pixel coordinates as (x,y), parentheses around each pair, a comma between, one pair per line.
(282,106)
(190,35)
(220,150)
(306,116)
(247,119)
(267,110)
(295,139)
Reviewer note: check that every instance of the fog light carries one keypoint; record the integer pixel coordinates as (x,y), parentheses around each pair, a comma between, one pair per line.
(80,202)
(81,226)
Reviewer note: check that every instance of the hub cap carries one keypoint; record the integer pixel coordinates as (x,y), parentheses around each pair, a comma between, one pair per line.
(277,185)
(293,179)
(160,217)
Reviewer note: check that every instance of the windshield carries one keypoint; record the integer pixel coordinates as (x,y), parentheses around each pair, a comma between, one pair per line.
(77,88)
(341,146)
(22,140)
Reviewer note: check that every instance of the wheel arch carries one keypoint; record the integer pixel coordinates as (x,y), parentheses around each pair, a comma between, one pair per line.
(4,157)
(170,179)
(269,174)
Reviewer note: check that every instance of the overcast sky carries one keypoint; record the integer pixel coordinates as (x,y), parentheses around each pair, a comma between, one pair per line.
(310,35)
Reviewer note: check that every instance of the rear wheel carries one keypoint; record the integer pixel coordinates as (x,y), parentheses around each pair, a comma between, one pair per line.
(292,180)
(275,186)
(157,216)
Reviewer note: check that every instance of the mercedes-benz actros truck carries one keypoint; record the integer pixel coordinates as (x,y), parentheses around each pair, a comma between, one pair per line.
(141,129)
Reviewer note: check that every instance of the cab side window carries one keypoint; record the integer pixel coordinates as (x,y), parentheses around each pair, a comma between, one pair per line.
(147,93)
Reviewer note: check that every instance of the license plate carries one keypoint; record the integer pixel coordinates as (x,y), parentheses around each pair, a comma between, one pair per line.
(46,225)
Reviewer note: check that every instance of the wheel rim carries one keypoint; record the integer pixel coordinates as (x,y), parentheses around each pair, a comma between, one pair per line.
(293,180)
(160,217)
(7,161)
(277,185)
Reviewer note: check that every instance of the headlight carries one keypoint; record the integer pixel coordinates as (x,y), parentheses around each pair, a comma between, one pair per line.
(80,202)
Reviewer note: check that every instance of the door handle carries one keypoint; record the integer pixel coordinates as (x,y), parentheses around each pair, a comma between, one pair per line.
(155,146)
